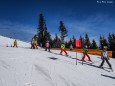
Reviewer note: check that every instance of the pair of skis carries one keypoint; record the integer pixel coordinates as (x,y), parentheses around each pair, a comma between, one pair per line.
(106,69)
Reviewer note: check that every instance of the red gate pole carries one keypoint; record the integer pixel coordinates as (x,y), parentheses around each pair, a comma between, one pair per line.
(78,44)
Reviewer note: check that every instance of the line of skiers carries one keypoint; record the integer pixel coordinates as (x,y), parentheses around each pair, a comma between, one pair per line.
(104,55)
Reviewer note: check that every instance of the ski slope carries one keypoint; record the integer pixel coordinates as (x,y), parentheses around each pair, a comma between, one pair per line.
(5,41)
(27,67)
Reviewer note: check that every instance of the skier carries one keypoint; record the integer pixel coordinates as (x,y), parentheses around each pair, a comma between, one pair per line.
(33,43)
(47,46)
(71,47)
(15,43)
(85,53)
(104,57)
(63,49)
(36,44)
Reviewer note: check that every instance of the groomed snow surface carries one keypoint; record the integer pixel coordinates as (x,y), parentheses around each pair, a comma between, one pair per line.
(28,67)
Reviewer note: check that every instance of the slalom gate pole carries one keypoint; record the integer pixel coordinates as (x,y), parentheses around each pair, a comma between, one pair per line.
(76,58)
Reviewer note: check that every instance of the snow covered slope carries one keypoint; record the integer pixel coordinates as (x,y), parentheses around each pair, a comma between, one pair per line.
(27,67)
(4,41)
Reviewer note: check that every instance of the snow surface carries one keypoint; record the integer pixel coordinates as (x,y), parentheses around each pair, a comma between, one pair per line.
(27,67)
(4,41)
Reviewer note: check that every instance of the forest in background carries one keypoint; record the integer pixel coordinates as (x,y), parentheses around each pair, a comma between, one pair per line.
(44,35)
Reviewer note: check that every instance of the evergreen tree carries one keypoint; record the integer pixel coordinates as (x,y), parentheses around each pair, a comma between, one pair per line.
(66,44)
(56,42)
(62,30)
(73,41)
(82,41)
(43,34)
(47,35)
(94,44)
(113,45)
(70,42)
(103,42)
(111,42)
(87,41)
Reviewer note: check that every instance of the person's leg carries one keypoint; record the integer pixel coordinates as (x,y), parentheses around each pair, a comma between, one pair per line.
(108,62)
(32,46)
(103,60)
(16,46)
(45,48)
(65,51)
(36,46)
(83,57)
(61,51)
(49,49)
(88,57)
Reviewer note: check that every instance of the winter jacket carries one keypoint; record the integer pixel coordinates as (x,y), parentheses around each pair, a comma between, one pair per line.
(15,42)
(47,45)
(63,46)
(33,41)
(104,54)
(85,51)
(36,43)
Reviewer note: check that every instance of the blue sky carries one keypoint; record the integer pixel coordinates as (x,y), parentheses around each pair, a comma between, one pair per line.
(95,17)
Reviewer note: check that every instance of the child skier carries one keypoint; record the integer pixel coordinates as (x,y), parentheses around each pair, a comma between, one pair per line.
(15,43)
(36,44)
(85,53)
(63,49)
(33,43)
(47,45)
(104,57)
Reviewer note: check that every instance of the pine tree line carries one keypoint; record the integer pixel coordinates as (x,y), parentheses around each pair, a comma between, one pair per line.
(43,35)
